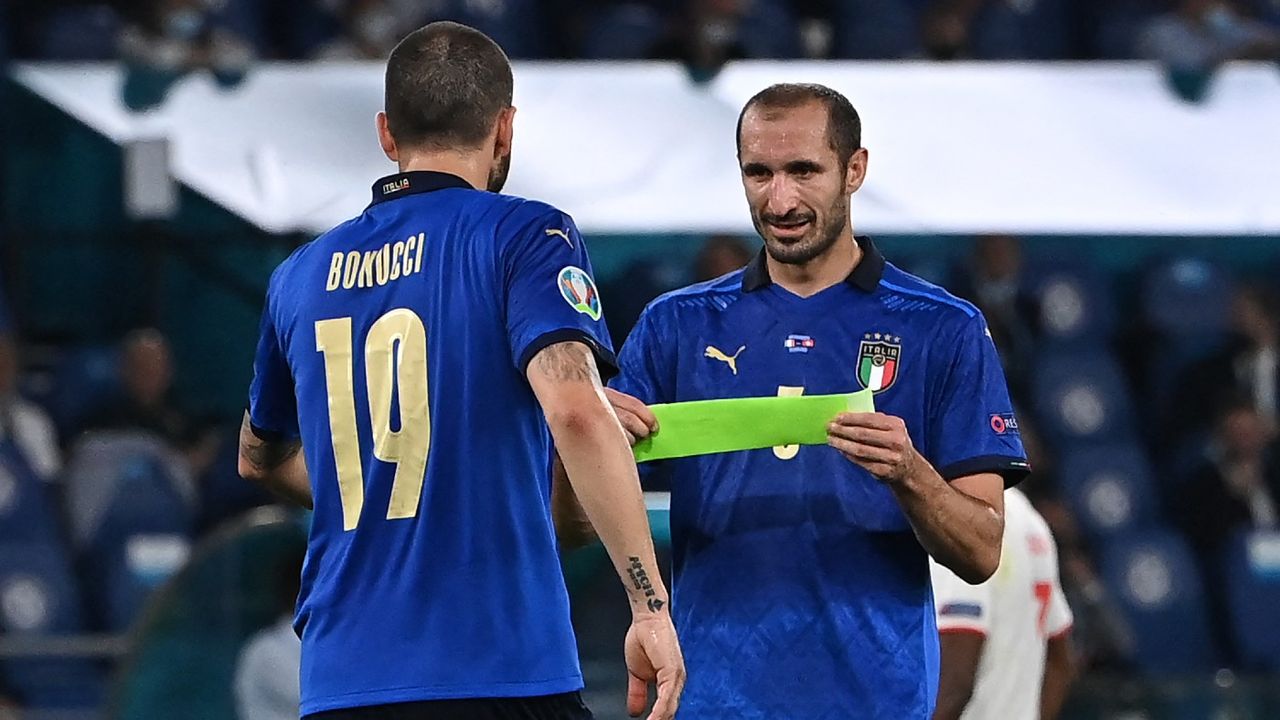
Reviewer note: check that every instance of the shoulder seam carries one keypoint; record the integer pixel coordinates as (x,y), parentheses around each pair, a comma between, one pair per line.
(961,305)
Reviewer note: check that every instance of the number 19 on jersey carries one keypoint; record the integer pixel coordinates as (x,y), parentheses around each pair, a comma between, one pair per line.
(395,359)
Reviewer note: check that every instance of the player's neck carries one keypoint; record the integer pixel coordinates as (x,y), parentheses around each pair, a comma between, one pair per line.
(472,167)
(828,269)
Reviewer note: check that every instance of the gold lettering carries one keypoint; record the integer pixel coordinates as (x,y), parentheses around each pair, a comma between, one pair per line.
(396,252)
(380,263)
(417,263)
(408,261)
(335,273)
(366,268)
(352,271)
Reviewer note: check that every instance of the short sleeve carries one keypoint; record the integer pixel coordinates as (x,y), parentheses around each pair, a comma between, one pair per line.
(551,293)
(960,607)
(973,428)
(1058,619)
(643,371)
(273,409)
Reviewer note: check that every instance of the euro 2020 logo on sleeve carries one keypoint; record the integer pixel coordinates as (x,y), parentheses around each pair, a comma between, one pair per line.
(878,361)
(579,290)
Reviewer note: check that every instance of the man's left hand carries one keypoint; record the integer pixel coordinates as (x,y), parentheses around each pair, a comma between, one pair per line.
(877,442)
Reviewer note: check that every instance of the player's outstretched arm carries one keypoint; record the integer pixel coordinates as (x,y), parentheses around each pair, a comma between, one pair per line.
(277,465)
(603,475)
(960,523)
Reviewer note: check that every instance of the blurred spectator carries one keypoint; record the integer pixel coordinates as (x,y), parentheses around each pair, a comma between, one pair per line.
(946,26)
(706,38)
(166,39)
(1201,34)
(267,673)
(644,279)
(999,29)
(705,34)
(720,255)
(994,280)
(1248,367)
(371,28)
(1254,355)
(1236,488)
(146,376)
(172,37)
(26,424)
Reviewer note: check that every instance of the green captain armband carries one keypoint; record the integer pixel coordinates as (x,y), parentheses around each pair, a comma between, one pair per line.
(704,427)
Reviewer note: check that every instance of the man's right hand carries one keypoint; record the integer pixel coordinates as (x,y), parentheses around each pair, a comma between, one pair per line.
(637,419)
(653,657)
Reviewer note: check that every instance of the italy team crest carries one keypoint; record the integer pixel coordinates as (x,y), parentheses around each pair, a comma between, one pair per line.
(878,360)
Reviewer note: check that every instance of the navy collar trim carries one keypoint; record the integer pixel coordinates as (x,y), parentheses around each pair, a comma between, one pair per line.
(865,276)
(403,184)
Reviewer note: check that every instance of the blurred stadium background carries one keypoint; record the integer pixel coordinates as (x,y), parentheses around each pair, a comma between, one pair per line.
(1116,219)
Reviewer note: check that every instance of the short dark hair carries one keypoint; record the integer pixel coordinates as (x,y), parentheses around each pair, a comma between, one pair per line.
(446,84)
(844,127)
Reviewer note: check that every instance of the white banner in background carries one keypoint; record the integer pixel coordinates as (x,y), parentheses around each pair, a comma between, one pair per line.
(635,147)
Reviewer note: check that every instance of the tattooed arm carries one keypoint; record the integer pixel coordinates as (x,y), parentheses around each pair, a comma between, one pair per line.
(277,465)
(596,458)
(602,473)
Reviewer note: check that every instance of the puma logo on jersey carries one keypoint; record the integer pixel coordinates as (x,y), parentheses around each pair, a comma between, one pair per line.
(552,232)
(716,353)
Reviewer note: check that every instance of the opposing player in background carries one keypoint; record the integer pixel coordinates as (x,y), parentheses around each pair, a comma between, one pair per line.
(410,355)
(801,574)
(1006,643)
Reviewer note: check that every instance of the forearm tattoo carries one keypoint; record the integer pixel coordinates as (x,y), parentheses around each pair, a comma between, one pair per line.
(640,579)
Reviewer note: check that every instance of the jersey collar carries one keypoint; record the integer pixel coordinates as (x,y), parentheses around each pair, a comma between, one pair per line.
(865,276)
(403,184)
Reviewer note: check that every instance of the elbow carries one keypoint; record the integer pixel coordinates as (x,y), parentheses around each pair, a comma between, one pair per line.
(575,420)
(979,567)
(985,568)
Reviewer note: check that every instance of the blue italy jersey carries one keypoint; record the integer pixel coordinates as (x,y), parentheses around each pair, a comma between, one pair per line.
(799,590)
(395,347)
